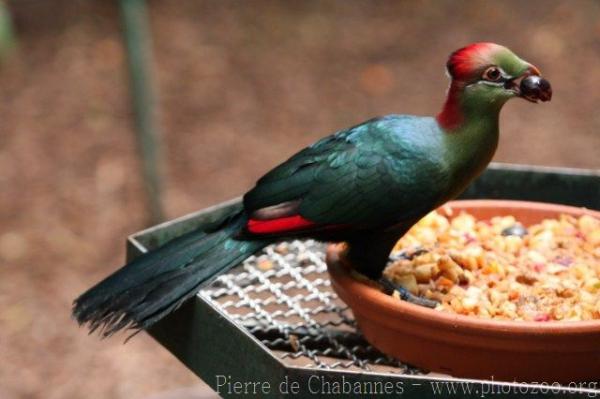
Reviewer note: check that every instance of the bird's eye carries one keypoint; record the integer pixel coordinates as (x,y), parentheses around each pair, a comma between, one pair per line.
(492,74)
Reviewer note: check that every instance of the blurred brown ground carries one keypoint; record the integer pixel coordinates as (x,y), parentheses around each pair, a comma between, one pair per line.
(243,86)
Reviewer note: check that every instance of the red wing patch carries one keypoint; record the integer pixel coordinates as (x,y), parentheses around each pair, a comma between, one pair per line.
(280,225)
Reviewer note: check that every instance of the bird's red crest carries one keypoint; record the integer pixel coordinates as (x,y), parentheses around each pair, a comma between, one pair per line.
(463,62)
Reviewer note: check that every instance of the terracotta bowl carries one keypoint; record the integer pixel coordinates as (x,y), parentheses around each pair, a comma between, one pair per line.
(467,346)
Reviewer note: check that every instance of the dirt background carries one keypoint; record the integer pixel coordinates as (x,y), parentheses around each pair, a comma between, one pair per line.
(242,87)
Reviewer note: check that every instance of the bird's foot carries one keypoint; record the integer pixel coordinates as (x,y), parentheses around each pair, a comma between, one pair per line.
(407,255)
(389,288)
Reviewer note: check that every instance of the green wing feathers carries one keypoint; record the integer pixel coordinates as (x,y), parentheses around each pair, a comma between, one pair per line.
(362,177)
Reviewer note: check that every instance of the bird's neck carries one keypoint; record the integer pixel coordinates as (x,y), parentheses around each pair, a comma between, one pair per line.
(463,109)
(470,128)
(452,115)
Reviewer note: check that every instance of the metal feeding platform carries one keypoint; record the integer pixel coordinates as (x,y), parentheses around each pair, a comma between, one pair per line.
(273,327)
(283,297)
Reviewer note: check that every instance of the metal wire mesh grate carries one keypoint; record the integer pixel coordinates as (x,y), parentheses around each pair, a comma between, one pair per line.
(283,297)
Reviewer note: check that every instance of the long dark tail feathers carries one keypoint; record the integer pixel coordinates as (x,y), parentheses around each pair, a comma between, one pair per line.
(156,283)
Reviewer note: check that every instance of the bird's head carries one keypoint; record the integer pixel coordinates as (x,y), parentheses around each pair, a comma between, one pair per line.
(485,76)
(495,73)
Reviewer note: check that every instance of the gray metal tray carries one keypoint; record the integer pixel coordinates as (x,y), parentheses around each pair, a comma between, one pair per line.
(274,327)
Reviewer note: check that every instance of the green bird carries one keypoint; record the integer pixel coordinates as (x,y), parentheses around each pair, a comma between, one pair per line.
(365,185)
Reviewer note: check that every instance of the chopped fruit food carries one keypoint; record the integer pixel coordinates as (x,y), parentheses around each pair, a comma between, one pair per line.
(501,270)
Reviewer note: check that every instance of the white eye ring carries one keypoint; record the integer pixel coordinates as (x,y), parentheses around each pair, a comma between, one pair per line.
(492,74)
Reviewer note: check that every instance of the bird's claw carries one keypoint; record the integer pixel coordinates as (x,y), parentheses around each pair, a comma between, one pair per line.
(407,255)
(389,288)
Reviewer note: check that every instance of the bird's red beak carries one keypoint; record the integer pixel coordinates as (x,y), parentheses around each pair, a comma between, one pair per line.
(533,70)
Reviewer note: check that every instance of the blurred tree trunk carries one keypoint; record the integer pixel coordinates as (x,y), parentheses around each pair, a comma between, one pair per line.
(138,44)
(7,37)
